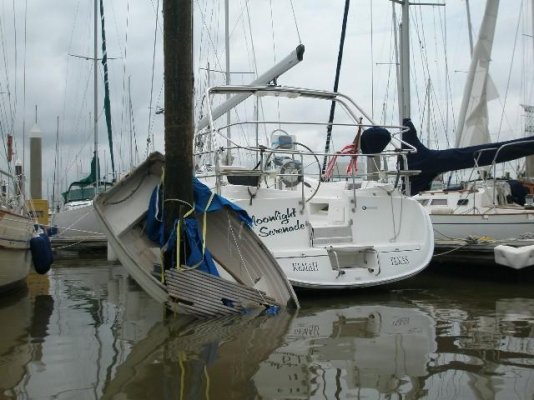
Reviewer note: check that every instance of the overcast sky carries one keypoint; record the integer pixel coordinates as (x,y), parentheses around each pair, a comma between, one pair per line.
(42,45)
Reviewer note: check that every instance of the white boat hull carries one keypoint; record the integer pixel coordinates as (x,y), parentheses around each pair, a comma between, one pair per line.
(78,225)
(331,243)
(501,225)
(15,256)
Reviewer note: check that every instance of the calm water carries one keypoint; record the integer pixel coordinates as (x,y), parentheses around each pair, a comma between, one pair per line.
(88,332)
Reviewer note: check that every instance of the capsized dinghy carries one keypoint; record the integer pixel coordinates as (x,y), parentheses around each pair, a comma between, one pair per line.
(243,274)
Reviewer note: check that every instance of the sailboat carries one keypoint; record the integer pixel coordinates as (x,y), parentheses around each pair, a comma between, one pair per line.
(16,231)
(188,248)
(78,227)
(495,213)
(348,232)
(24,245)
(329,228)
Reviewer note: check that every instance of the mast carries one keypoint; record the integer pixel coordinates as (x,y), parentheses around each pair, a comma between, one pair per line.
(404,55)
(336,85)
(178,64)
(227,75)
(107,103)
(95,93)
(404,108)
(529,109)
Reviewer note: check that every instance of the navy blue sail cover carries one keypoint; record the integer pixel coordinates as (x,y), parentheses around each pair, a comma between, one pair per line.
(431,163)
(374,140)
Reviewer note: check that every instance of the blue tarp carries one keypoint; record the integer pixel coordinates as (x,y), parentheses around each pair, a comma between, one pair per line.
(190,229)
(202,193)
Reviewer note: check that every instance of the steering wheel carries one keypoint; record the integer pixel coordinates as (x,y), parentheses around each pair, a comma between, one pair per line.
(293,167)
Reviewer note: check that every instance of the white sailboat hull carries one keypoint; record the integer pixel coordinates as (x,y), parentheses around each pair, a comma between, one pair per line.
(332,244)
(15,256)
(78,224)
(499,225)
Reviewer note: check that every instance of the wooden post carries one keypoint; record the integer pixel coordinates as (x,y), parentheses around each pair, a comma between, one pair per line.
(178,64)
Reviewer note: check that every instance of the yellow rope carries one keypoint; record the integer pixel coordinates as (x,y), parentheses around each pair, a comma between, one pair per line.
(207,382)
(178,237)
(179,230)
(161,258)
(181,359)
(205,224)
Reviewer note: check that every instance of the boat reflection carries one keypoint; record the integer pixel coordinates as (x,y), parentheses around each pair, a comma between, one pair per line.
(24,319)
(91,332)
(360,350)
(195,359)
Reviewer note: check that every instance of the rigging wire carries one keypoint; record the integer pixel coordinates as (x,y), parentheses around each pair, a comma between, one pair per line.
(295,20)
(4,130)
(13,111)
(149,139)
(124,101)
(503,113)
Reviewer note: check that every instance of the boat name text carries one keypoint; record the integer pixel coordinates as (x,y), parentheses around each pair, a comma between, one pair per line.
(285,218)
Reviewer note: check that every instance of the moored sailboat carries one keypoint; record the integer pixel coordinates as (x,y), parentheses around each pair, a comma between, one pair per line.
(349,232)
(484,214)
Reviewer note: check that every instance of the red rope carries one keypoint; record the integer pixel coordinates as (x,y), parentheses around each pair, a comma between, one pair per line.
(351,168)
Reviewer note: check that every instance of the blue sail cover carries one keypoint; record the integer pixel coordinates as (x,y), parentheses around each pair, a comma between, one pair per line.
(190,229)
(435,162)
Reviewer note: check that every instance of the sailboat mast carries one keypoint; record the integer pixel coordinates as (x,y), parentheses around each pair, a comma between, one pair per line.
(178,64)
(404,109)
(336,85)
(95,92)
(227,75)
(404,54)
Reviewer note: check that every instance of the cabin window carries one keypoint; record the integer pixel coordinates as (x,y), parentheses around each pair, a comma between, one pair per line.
(423,202)
(463,202)
(439,202)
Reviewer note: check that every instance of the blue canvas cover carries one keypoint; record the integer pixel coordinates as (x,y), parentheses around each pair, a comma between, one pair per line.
(190,229)
(435,162)
(202,194)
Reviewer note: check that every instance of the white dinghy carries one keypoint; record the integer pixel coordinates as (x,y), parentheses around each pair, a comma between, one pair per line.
(187,247)
(249,276)
(357,228)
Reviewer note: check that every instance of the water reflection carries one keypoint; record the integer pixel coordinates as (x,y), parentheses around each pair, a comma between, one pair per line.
(91,333)
(361,350)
